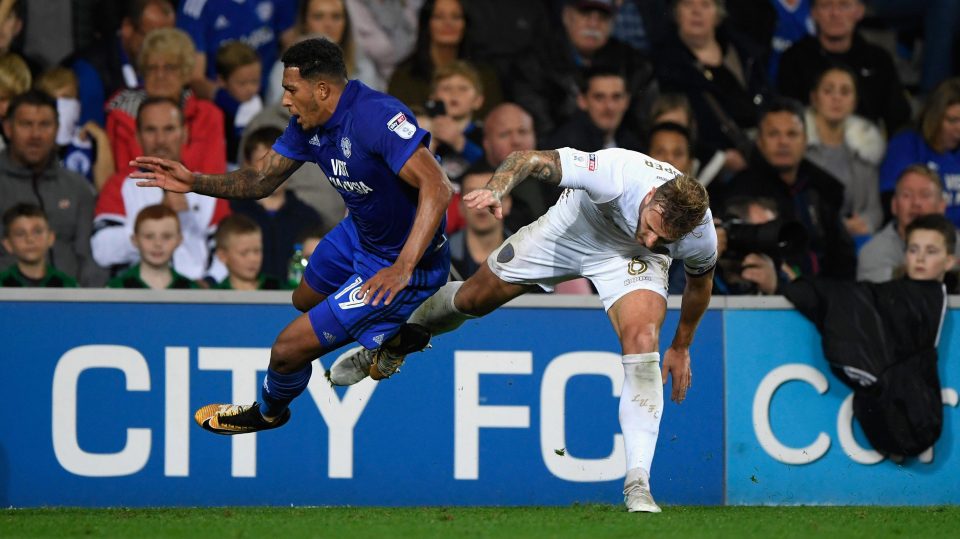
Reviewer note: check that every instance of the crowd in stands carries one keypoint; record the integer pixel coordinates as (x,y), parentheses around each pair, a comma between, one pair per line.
(840,115)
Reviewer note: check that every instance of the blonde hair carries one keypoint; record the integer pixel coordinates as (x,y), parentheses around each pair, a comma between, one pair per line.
(55,79)
(683,203)
(15,76)
(171,42)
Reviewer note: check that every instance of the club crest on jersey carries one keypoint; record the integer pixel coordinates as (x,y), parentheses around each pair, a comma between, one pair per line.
(400,125)
(346,147)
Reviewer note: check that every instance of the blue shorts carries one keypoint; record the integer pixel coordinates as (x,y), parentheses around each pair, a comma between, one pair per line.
(339,267)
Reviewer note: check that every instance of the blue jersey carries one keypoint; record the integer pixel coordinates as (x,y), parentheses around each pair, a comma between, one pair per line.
(793,24)
(910,148)
(361,149)
(211,23)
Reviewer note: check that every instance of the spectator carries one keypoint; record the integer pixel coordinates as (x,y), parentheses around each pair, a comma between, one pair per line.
(793,24)
(161,132)
(939,20)
(330,19)
(546,82)
(385,31)
(503,31)
(441,40)
(15,79)
(670,142)
(849,146)
(84,149)
(483,233)
(211,23)
(282,216)
(30,172)
(166,62)
(310,238)
(240,248)
(801,190)
(507,129)
(919,191)
(238,92)
(457,138)
(110,65)
(721,74)
(27,236)
(12,27)
(641,23)
(880,96)
(935,142)
(156,237)
(603,102)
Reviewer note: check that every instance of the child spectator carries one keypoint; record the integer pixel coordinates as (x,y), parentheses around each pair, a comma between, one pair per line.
(240,248)
(238,95)
(311,238)
(457,138)
(282,216)
(27,236)
(83,149)
(156,235)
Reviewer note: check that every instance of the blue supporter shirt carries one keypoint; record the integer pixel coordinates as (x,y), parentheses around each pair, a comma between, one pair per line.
(793,24)
(211,23)
(361,149)
(909,148)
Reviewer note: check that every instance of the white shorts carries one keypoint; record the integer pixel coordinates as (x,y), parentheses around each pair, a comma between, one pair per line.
(545,253)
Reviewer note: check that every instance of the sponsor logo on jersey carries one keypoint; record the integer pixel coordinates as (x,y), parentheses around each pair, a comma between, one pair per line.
(353,295)
(636,266)
(593,162)
(314,140)
(265,11)
(346,147)
(221,23)
(378,339)
(400,125)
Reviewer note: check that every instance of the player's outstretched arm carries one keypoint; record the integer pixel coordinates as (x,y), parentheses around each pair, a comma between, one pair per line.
(247,182)
(423,172)
(518,166)
(676,361)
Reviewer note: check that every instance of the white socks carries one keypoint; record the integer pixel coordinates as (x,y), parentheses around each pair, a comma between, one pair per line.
(438,314)
(641,405)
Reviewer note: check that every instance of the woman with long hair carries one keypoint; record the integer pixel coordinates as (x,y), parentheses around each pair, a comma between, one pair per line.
(935,142)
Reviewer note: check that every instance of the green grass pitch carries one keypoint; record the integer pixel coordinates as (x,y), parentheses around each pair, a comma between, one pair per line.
(588,521)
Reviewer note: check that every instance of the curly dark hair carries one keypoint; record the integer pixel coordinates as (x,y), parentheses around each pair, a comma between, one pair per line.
(316,58)
(683,204)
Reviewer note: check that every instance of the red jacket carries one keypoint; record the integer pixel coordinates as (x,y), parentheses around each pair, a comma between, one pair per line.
(205,150)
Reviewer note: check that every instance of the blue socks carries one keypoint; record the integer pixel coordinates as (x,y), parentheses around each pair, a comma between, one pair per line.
(279,389)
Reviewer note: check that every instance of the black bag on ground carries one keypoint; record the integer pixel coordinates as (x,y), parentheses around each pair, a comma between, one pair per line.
(881,341)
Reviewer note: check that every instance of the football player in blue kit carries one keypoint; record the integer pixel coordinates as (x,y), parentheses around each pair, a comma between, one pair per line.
(370,272)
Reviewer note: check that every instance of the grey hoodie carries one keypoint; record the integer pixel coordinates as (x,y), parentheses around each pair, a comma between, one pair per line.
(68,200)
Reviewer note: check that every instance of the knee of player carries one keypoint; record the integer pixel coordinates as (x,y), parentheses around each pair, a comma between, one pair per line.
(283,356)
(639,338)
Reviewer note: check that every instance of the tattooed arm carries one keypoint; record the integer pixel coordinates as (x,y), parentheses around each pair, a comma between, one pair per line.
(518,166)
(247,182)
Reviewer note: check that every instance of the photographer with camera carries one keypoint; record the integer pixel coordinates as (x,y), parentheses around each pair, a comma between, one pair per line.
(801,191)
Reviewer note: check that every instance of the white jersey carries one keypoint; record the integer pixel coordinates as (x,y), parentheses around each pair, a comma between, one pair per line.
(602,201)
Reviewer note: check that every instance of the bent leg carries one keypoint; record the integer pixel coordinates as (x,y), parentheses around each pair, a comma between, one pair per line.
(305,297)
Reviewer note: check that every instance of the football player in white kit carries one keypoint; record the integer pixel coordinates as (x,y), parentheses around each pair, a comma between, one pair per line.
(620,221)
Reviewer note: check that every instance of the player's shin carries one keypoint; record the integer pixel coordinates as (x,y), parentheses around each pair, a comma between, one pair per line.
(439,314)
(280,389)
(641,404)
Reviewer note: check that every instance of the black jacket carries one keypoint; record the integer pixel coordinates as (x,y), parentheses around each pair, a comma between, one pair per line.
(679,71)
(581,133)
(280,230)
(815,200)
(880,340)
(545,83)
(880,95)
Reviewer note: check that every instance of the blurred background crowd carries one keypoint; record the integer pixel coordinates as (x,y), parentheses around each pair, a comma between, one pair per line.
(826,125)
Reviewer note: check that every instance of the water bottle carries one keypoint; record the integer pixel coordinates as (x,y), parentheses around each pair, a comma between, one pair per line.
(297,263)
